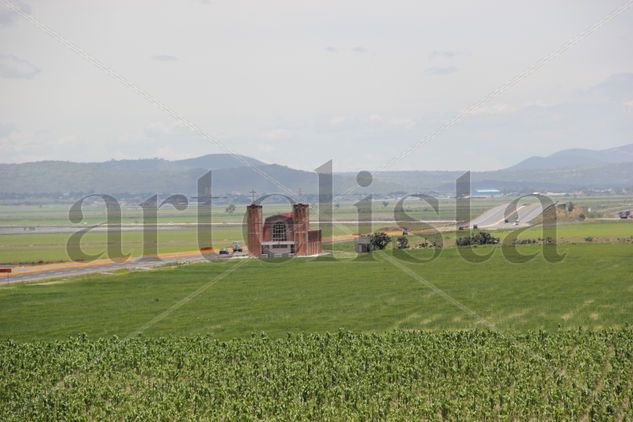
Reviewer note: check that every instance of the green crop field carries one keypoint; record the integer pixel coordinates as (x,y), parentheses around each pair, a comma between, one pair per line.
(375,337)
(447,339)
(477,375)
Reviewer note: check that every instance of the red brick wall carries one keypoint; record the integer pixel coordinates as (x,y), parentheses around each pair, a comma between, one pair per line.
(255,228)
(314,242)
(301,223)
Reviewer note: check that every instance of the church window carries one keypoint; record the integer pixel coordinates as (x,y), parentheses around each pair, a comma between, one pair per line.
(279,232)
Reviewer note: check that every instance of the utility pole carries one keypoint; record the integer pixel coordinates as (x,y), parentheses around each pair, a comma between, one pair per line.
(252,192)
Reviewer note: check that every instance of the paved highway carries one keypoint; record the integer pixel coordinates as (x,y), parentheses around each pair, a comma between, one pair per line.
(73,269)
(496,217)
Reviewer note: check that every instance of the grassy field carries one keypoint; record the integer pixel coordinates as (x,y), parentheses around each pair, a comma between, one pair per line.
(606,205)
(51,247)
(592,287)
(611,231)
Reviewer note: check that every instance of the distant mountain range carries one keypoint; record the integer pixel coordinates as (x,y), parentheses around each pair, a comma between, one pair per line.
(563,171)
(578,158)
(211,162)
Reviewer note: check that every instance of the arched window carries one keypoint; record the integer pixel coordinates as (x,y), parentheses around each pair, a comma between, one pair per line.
(279,232)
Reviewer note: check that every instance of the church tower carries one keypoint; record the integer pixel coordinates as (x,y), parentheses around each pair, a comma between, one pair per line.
(255,228)
(301,226)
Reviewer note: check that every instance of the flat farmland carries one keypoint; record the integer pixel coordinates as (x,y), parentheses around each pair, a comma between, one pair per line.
(372,337)
(31,248)
(591,288)
(57,214)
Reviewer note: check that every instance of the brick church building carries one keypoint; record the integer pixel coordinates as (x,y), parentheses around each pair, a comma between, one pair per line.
(285,234)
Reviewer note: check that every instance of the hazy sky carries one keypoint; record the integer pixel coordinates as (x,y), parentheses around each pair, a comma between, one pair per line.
(300,82)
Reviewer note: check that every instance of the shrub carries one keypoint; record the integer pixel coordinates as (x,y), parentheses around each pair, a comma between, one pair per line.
(481,238)
(524,241)
(402,242)
(379,240)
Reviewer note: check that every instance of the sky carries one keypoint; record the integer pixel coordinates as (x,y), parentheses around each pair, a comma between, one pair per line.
(368,84)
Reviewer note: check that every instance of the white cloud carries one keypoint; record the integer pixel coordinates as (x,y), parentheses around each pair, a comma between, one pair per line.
(278,134)
(8,15)
(442,54)
(69,140)
(402,122)
(13,67)
(293,65)
(394,122)
(372,120)
(447,55)
(359,49)
(338,120)
(493,109)
(266,147)
(165,58)
(437,70)
(376,118)
(5,130)
(20,146)
(174,128)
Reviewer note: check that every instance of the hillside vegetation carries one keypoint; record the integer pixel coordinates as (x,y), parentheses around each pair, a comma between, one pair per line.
(567,170)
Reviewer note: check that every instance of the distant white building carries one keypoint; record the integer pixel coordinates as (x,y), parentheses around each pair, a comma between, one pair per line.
(487,193)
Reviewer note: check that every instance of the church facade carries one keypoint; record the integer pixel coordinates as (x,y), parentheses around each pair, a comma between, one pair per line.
(285,234)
